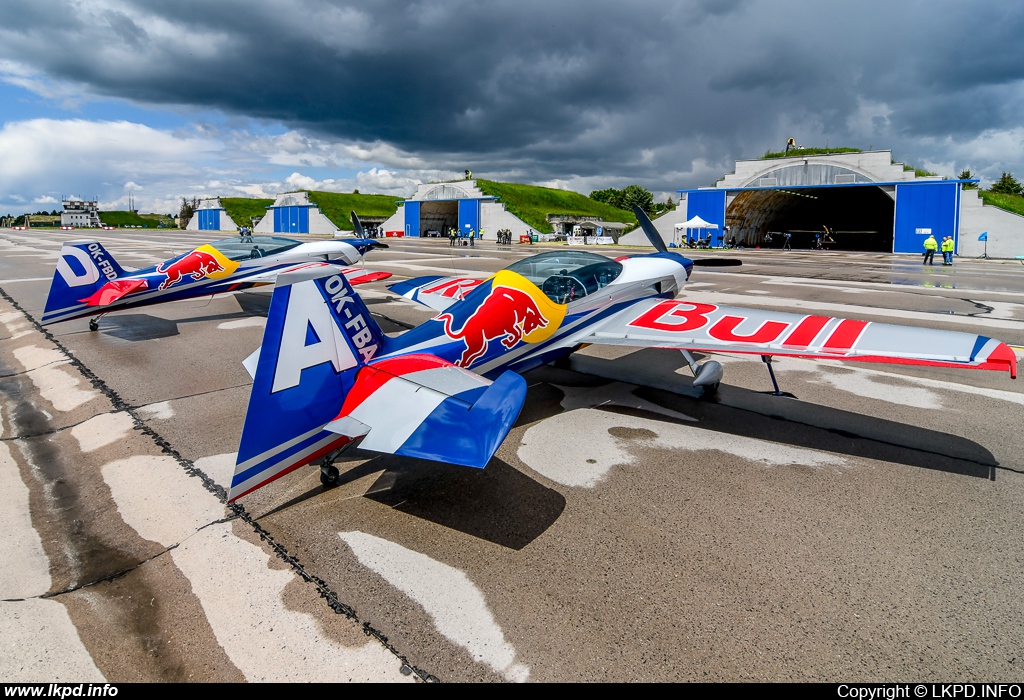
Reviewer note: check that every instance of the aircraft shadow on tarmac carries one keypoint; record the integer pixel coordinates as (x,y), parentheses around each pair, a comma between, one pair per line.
(499,504)
(747,413)
(136,327)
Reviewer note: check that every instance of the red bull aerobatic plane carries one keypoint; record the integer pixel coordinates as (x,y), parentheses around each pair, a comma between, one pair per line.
(326,377)
(89,282)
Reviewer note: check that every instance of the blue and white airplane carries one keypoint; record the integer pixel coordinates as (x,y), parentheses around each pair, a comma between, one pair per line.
(89,282)
(326,377)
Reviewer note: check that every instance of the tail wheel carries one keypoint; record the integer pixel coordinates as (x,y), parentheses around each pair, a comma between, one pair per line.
(329,476)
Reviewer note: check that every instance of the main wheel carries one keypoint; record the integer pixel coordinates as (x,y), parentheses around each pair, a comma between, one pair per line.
(329,476)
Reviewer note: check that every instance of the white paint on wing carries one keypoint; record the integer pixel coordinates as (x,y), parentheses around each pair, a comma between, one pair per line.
(577,449)
(26,569)
(239,592)
(243,323)
(60,388)
(102,430)
(456,606)
(220,468)
(41,642)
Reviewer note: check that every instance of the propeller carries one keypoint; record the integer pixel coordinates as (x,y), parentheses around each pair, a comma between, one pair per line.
(652,233)
(655,238)
(358,226)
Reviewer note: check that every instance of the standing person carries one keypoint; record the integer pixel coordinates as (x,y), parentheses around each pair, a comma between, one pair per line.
(472,238)
(947,250)
(451,237)
(930,246)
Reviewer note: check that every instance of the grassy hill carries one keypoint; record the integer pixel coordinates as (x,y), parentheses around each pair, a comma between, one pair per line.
(130,218)
(336,206)
(797,152)
(1009,202)
(531,203)
(241,209)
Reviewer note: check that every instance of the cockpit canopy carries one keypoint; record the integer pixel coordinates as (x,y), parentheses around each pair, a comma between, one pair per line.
(565,276)
(249,247)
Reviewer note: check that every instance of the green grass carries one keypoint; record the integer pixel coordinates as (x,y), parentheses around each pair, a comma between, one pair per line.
(1009,202)
(797,152)
(241,210)
(336,206)
(130,218)
(531,204)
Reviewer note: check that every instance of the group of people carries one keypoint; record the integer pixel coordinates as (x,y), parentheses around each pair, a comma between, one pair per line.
(931,246)
(245,233)
(505,237)
(469,238)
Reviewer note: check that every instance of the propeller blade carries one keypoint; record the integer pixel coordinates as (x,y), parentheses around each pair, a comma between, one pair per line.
(648,227)
(358,226)
(717,262)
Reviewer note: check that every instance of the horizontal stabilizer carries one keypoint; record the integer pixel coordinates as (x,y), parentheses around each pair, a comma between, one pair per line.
(114,290)
(421,406)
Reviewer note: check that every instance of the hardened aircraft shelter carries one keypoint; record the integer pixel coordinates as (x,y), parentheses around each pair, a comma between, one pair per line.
(438,207)
(211,216)
(863,200)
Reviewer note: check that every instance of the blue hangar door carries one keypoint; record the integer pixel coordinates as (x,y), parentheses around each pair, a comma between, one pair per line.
(469,215)
(209,219)
(922,209)
(291,220)
(710,206)
(412,219)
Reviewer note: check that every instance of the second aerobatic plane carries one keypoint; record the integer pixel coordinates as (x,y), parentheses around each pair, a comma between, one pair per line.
(89,282)
(326,377)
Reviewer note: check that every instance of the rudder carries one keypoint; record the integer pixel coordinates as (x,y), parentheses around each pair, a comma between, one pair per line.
(82,268)
(318,333)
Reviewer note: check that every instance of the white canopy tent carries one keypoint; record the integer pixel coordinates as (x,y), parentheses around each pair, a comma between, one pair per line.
(695,223)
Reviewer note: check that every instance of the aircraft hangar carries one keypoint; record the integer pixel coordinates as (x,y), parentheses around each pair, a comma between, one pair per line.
(866,201)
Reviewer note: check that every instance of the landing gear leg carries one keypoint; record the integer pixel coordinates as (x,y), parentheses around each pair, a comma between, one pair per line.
(707,375)
(329,474)
(767,359)
(94,322)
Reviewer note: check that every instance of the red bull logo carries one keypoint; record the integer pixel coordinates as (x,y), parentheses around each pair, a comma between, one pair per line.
(514,311)
(198,264)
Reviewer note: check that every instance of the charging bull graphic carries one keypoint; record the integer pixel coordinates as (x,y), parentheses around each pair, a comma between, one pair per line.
(197,265)
(506,313)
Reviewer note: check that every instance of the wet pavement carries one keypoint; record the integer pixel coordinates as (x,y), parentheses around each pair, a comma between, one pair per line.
(629,528)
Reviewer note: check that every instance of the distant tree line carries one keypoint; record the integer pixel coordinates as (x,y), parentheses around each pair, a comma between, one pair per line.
(188,208)
(632,196)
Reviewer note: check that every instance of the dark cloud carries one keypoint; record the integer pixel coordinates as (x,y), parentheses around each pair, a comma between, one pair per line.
(627,91)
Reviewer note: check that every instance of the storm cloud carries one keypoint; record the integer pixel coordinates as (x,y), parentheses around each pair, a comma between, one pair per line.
(664,93)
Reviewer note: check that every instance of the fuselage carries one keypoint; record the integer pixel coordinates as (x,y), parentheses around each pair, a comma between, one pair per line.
(222,266)
(533,312)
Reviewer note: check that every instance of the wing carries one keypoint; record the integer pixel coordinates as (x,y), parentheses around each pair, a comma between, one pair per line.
(354,275)
(689,325)
(436,292)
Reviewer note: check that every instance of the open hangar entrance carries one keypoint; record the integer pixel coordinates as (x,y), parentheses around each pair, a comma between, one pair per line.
(853,218)
(438,218)
(890,217)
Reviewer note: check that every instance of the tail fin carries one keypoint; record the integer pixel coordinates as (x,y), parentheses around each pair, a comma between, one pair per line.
(319,333)
(82,268)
